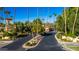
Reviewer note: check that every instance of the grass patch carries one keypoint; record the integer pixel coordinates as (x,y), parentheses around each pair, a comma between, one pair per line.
(66,40)
(59,35)
(76,48)
(71,35)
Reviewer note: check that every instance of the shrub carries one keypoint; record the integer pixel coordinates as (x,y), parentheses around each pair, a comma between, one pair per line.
(59,35)
(28,43)
(10,33)
(66,40)
(31,43)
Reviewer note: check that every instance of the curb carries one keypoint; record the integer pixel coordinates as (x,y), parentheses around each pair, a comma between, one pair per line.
(5,43)
(29,47)
(63,45)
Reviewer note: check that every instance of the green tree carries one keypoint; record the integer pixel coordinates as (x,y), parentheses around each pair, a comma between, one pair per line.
(65,18)
(73,29)
(1,14)
(69,20)
(40,26)
(7,13)
(59,24)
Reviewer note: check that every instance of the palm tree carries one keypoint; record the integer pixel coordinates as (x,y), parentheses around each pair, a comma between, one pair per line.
(7,13)
(65,21)
(49,16)
(14,17)
(37,20)
(1,17)
(28,19)
(1,8)
(75,20)
(7,17)
(14,12)
(55,15)
(28,13)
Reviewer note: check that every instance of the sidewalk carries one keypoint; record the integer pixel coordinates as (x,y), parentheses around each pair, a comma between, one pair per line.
(4,43)
(65,44)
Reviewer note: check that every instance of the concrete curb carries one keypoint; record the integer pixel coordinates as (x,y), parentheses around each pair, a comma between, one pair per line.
(63,45)
(29,47)
(5,43)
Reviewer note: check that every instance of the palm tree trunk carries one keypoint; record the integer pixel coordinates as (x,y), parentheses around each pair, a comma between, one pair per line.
(48,16)
(65,21)
(14,17)
(37,20)
(14,13)
(0,14)
(28,13)
(73,29)
(4,19)
(28,19)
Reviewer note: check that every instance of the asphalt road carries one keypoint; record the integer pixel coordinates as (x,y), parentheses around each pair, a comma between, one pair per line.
(48,43)
(16,45)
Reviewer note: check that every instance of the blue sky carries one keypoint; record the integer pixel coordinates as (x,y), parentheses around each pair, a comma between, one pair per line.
(22,15)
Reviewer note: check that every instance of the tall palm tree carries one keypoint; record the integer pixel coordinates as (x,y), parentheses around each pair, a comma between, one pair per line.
(14,13)
(55,15)
(28,19)
(7,16)
(28,13)
(65,19)
(1,8)
(37,20)
(14,17)
(75,20)
(7,13)
(28,16)
(49,16)
(1,14)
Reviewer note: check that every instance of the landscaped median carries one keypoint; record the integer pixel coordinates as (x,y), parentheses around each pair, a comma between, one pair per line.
(68,43)
(33,42)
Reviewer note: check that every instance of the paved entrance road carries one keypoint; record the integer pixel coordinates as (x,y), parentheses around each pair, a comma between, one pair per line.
(16,45)
(48,43)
